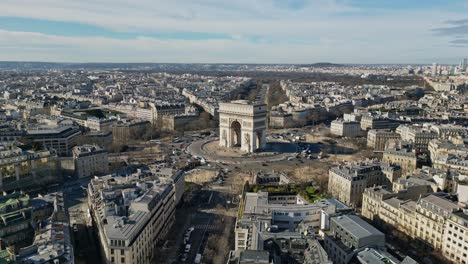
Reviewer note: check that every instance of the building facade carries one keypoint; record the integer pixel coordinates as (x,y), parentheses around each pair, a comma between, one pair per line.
(27,169)
(455,242)
(424,219)
(347,183)
(61,139)
(132,214)
(405,159)
(129,129)
(90,160)
(262,211)
(347,235)
(345,128)
(378,138)
(16,219)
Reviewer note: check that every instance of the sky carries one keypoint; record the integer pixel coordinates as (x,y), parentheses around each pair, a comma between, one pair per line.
(235,31)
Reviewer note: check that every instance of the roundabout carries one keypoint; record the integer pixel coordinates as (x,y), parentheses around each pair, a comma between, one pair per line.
(211,151)
(242,137)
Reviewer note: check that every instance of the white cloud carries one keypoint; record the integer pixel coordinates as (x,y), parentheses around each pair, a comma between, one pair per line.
(41,47)
(314,33)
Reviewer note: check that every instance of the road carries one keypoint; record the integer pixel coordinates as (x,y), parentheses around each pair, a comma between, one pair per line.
(196,149)
(200,213)
(85,243)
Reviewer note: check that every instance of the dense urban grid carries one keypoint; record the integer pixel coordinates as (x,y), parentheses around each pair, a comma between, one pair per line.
(230,163)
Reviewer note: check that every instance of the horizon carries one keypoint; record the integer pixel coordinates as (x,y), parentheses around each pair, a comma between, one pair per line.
(235,63)
(240,32)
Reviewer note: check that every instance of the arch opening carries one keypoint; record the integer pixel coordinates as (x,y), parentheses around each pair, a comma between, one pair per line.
(236,139)
(258,142)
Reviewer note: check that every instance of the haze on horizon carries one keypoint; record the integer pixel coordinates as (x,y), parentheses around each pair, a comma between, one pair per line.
(241,31)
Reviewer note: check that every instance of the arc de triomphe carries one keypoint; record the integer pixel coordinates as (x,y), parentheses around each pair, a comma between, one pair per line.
(243,125)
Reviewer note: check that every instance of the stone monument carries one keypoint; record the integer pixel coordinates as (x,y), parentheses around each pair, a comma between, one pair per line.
(242,125)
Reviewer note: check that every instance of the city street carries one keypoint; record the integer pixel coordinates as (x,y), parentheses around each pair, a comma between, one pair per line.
(200,212)
(85,240)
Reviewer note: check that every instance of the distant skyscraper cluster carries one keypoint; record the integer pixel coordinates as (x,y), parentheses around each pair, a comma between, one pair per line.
(463,64)
(437,69)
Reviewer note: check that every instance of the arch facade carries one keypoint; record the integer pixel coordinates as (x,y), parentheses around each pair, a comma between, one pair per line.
(242,125)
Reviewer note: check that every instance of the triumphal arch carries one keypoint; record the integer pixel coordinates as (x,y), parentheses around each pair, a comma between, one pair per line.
(242,125)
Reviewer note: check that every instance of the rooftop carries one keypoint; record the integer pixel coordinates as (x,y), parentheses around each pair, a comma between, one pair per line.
(357,227)
(432,202)
(254,256)
(124,204)
(375,256)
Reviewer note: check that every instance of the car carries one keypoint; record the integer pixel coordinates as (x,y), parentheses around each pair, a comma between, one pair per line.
(187,248)
(184,257)
(197,259)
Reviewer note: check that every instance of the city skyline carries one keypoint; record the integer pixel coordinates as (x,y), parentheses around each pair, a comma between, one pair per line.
(271,31)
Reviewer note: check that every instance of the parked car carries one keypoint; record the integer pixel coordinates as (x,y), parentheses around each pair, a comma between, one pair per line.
(197,259)
(187,248)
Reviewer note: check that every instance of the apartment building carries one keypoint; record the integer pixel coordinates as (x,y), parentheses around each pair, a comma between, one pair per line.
(423,219)
(160,110)
(280,120)
(132,214)
(378,138)
(52,242)
(27,169)
(123,131)
(100,124)
(372,200)
(438,148)
(103,138)
(9,133)
(455,242)
(16,219)
(414,186)
(417,135)
(345,128)
(392,172)
(432,212)
(90,160)
(347,183)
(407,160)
(181,122)
(447,131)
(369,122)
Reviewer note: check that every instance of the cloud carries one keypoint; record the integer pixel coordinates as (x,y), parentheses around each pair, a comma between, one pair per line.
(454,28)
(457,29)
(459,43)
(457,22)
(43,47)
(289,31)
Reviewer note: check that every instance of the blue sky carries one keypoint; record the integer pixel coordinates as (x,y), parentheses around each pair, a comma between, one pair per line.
(240,31)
